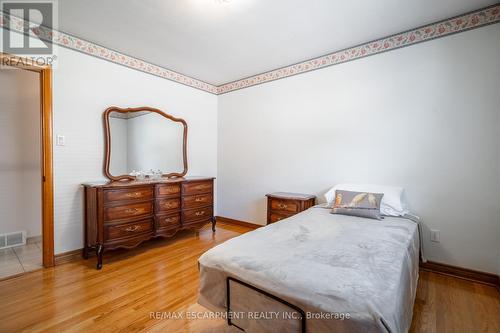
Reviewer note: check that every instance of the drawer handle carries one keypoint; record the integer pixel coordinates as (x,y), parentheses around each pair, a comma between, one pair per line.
(134,210)
(133,228)
(170,219)
(170,205)
(134,195)
(282,206)
(200,213)
(199,199)
(171,189)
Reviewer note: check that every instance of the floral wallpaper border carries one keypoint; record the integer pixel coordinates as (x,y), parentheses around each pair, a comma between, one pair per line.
(475,19)
(481,17)
(81,45)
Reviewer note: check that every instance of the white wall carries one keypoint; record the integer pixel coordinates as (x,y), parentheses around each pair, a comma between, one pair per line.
(425,117)
(84,87)
(20,168)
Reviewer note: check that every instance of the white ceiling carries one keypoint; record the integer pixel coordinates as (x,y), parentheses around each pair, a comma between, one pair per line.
(219,41)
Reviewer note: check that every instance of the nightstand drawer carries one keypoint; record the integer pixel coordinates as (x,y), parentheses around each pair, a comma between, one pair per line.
(290,206)
(281,205)
(275,217)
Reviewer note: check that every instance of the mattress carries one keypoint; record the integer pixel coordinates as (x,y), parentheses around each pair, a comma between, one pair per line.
(325,264)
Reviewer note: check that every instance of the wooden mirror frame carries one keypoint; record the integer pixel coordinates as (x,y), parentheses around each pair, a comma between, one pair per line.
(107,140)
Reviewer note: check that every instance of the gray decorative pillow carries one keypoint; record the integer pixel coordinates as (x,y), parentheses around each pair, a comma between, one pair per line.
(360,204)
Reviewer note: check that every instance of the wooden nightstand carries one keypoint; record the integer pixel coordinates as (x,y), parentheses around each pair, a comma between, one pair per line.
(281,205)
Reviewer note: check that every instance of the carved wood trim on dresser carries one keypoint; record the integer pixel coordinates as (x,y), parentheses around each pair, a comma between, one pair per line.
(125,214)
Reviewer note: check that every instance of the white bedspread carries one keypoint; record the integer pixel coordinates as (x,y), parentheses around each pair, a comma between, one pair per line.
(327,263)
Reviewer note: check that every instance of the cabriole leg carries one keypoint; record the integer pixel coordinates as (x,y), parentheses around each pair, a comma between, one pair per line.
(99,251)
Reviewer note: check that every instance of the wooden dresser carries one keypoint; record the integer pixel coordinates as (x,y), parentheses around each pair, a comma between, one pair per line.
(125,214)
(281,205)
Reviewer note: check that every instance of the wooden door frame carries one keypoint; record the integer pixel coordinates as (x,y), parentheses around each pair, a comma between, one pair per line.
(47,181)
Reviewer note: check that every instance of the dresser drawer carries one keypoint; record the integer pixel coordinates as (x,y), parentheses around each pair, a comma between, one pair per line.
(273,217)
(196,214)
(166,205)
(126,211)
(141,193)
(194,201)
(164,190)
(168,221)
(128,229)
(197,187)
(290,206)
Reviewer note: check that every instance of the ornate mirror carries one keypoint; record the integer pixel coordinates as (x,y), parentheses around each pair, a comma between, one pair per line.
(142,142)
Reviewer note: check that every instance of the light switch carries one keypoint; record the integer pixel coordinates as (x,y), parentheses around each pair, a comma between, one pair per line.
(60,140)
(435,237)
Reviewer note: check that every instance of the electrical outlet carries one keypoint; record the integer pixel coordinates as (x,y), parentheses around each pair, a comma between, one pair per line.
(60,140)
(435,237)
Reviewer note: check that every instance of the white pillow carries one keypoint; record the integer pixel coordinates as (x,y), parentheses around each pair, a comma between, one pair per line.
(393,202)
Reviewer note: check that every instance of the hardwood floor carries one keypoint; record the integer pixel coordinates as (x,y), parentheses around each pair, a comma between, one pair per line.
(448,304)
(162,276)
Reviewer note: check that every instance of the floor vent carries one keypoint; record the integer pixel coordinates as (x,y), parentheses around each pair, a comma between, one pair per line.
(12,239)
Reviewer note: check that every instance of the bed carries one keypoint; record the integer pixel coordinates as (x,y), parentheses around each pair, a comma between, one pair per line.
(338,273)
